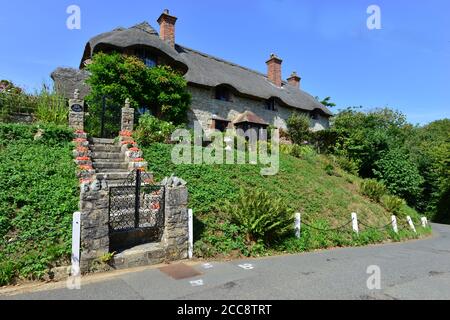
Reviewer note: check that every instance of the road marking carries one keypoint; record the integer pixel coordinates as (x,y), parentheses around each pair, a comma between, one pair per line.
(207,266)
(247,266)
(197,283)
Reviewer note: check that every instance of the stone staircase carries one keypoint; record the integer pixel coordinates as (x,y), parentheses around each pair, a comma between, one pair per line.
(108,162)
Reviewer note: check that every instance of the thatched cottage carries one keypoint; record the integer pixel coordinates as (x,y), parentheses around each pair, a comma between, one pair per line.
(224,94)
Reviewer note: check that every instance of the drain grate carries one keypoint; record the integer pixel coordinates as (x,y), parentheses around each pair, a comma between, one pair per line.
(180,271)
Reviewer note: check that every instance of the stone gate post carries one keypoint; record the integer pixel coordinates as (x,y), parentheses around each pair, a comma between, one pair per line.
(94,201)
(76,112)
(127,117)
(176,231)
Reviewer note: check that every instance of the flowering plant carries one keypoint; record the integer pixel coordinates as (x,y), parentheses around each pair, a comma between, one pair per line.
(138,160)
(85,168)
(126,133)
(134,149)
(83,159)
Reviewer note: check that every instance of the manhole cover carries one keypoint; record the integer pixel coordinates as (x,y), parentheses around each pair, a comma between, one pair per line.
(180,271)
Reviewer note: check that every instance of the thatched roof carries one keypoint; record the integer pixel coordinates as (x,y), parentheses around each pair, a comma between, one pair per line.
(206,70)
(249,117)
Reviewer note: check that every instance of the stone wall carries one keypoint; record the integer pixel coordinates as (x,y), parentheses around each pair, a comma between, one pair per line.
(204,106)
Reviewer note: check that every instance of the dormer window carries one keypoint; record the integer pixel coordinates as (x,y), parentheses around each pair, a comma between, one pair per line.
(146,56)
(270,104)
(223,93)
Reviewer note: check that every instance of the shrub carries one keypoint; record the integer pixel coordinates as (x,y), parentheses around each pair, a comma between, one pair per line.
(347,165)
(160,89)
(302,152)
(153,130)
(261,216)
(372,189)
(329,169)
(51,107)
(392,204)
(400,175)
(299,128)
(39,194)
(14,100)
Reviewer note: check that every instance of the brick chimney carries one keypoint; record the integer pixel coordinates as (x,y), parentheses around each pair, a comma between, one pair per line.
(294,80)
(167,27)
(274,70)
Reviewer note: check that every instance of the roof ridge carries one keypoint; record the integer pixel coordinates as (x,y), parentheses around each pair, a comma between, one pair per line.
(146,27)
(223,60)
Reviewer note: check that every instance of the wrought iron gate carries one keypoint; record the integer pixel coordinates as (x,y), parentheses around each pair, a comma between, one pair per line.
(136,212)
(103,117)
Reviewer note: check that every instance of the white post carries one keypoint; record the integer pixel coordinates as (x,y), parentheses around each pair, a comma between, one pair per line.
(424,222)
(355,222)
(298,225)
(191,233)
(394,224)
(411,224)
(76,238)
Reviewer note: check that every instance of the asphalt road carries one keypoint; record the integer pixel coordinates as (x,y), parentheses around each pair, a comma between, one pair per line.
(413,270)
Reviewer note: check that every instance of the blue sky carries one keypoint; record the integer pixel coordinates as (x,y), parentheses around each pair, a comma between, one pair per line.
(405,65)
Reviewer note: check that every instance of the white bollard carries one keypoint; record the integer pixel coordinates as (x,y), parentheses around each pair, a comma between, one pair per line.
(76,238)
(191,233)
(394,224)
(424,222)
(298,225)
(355,222)
(411,224)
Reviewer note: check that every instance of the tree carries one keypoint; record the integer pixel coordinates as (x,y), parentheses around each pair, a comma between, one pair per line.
(364,136)
(161,90)
(299,128)
(430,149)
(326,102)
(399,174)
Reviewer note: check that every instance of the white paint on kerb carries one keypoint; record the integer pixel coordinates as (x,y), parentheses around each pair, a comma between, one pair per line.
(355,222)
(394,224)
(298,225)
(76,238)
(191,233)
(424,222)
(411,224)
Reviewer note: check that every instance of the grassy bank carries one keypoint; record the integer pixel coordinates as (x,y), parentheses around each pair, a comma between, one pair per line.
(38,197)
(325,196)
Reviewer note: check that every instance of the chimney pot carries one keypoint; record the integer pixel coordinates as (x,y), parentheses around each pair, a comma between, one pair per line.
(167,27)
(274,70)
(294,80)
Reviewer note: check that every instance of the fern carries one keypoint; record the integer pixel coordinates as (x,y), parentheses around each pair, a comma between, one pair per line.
(262,216)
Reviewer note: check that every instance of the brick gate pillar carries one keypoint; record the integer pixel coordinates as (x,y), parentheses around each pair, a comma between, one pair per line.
(76,112)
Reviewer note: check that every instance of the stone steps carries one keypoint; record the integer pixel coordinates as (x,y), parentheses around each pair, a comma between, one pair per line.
(107,155)
(105,148)
(120,175)
(100,141)
(148,254)
(110,165)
